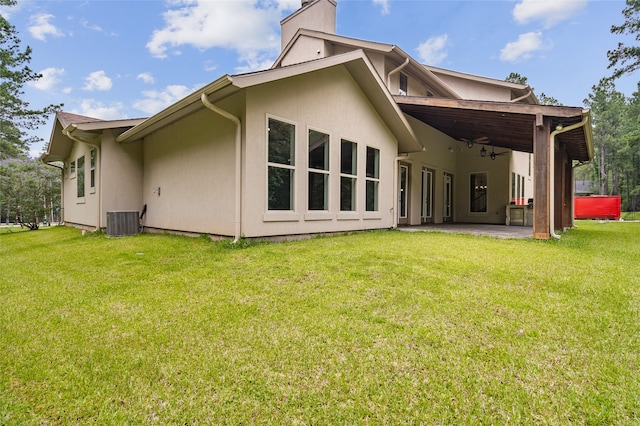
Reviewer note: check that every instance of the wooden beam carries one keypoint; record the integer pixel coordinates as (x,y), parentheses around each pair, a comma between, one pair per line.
(541,180)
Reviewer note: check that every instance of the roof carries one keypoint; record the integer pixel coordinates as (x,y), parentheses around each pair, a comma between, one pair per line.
(355,62)
(391,50)
(83,128)
(520,90)
(501,124)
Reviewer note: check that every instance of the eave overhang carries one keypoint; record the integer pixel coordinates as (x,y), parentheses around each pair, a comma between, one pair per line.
(356,62)
(501,124)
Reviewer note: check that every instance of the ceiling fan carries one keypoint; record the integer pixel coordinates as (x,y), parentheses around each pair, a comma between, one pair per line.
(493,154)
(470,142)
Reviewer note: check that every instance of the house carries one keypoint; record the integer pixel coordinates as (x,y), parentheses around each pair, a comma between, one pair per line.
(338,135)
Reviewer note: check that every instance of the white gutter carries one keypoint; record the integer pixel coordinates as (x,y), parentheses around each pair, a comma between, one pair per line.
(525,96)
(68,133)
(552,172)
(395,71)
(238,161)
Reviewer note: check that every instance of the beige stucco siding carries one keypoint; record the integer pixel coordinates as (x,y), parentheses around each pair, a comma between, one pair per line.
(188,175)
(80,210)
(470,89)
(470,161)
(121,184)
(437,157)
(329,101)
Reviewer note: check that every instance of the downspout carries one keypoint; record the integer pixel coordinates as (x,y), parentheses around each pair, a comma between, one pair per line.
(238,160)
(552,170)
(525,96)
(395,71)
(68,133)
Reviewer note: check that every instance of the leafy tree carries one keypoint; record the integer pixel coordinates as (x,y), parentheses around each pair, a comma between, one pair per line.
(514,77)
(16,117)
(626,58)
(610,113)
(29,192)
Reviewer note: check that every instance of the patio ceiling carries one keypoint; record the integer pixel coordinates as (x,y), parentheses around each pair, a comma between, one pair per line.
(500,124)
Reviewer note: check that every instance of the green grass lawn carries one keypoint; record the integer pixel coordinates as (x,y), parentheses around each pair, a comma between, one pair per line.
(373,328)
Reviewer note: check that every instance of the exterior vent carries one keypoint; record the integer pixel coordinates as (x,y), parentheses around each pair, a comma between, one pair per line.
(121,223)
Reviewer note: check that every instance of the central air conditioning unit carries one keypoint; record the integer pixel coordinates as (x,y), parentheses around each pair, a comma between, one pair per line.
(122,223)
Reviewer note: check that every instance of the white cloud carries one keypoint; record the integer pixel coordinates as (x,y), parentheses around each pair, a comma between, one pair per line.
(146,77)
(97,80)
(549,12)
(384,5)
(50,77)
(40,27)
(248,27)
(522,48)
(432,52)
(155,101)
(96,109)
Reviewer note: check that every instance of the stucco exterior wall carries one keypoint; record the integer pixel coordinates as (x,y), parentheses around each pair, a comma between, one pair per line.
(498,178)
(331,102)
(81,211)
(436,157)
(469,89)
(319,16)
(306,49)
(120,179)
(188,180)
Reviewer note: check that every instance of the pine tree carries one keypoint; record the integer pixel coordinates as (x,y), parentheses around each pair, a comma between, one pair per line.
(16,116)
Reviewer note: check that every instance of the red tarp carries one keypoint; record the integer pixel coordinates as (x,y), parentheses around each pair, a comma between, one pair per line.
(597,207)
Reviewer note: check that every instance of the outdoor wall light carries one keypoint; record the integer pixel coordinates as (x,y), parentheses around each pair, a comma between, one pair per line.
(469,144)
(483,152)
(450,149)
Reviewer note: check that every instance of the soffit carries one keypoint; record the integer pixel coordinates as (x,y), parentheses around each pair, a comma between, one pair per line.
(504,124)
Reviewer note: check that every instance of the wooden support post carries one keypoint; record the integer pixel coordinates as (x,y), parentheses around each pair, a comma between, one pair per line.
(541,178)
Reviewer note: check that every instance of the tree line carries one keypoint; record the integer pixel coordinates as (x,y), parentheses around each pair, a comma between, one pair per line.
(29,190)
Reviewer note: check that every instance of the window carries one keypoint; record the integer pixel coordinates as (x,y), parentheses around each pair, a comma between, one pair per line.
(404,84)
(80,176)
(513,188)
(72,169)
(92,169)
(318,171)
(373,179)
(427,193)
(478,193)
(281,164)
(348,171)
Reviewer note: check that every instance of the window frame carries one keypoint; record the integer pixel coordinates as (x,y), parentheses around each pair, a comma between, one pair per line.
(291,167)
(325,171)
(351,176)
(93,156)
(373,178)
(473,193)
(81,187)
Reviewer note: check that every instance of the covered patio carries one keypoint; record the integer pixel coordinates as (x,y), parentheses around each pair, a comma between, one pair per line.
(496,231)
(560,139)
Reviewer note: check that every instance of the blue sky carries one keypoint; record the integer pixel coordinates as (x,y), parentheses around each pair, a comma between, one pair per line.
(131,59)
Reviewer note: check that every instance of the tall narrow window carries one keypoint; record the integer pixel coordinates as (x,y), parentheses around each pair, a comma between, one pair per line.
(513,188)
(281,164)
(80,177)
(522,190)
(518,189)
(348,172)
(318,171)
(72,169)
(478,193)
(404,85)
(92,169)
(427,193)
(373,179)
